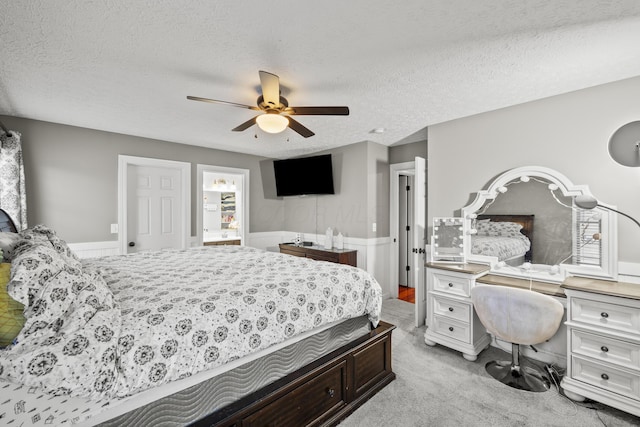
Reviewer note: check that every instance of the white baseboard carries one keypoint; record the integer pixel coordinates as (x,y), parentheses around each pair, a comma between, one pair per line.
(95,249)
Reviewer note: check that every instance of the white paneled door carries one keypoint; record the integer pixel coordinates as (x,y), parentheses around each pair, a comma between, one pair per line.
(154,200)
(419,234)
(154,215)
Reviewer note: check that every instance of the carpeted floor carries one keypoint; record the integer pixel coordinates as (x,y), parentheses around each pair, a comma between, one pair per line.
(436,386)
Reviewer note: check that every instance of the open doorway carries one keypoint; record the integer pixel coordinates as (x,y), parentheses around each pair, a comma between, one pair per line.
(406,284)
(223,205)
(407,220)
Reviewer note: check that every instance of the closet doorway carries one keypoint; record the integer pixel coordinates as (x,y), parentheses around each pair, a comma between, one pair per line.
(223,205)
(407,216)
(406,285)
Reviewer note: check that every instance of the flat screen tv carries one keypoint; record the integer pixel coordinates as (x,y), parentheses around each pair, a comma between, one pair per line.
(304,175)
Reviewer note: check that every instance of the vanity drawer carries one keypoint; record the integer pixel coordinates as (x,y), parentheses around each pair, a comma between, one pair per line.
(451,328)
(606,377)
(614,317)
(451,284)
(608,350)
(450,308)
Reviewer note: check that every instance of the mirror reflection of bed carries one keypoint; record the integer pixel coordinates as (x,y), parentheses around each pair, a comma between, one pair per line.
(506,237)
(526,223)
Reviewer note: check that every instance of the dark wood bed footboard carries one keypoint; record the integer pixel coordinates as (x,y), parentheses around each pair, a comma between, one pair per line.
(319,394)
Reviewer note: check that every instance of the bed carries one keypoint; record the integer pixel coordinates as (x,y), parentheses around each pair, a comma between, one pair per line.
(509,238)
(209,335)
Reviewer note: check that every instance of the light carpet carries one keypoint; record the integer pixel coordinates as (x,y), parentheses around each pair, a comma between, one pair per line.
(436,386)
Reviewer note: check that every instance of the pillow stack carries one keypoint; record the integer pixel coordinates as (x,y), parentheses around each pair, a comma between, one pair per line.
(11,317)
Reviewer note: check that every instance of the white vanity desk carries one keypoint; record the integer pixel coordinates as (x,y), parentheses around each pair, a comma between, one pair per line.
(451,320)
(603,328)
(603,337)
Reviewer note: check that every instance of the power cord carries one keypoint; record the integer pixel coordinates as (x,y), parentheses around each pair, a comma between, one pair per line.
(556,373)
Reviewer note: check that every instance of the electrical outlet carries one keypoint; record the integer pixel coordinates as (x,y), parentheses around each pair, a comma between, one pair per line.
(374,227)
(114,228)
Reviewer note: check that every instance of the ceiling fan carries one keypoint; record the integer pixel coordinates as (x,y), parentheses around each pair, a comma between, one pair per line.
(276,113)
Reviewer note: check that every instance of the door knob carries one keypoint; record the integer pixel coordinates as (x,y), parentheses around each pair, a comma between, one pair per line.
(132,244)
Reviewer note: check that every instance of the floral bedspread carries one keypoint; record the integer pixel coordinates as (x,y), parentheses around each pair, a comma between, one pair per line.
(501,247)
(114,326)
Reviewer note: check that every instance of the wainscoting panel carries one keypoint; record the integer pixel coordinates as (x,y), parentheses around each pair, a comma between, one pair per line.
(373,254)
(95,249)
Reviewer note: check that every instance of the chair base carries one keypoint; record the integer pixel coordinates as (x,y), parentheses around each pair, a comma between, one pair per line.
(528,378)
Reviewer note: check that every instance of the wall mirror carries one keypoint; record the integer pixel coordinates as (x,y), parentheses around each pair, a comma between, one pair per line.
(448,240)
(526,224)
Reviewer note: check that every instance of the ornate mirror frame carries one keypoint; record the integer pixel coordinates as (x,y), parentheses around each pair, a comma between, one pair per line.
(608,268)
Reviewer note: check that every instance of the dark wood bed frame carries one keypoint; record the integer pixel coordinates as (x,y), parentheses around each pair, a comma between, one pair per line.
(320,394)
(527,227)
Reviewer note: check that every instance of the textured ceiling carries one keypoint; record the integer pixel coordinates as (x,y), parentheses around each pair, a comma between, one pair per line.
(127,66)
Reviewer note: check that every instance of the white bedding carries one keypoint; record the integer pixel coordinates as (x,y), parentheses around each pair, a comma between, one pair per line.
(504,248)
(115,326)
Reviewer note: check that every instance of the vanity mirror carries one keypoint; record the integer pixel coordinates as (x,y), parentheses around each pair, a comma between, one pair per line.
(526,224)
(448,238)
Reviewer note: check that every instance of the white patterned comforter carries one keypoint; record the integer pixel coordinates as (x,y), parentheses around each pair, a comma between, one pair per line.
(502,247)
(114,326)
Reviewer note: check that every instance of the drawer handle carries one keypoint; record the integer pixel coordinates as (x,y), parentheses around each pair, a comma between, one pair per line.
(450,308)
(331,392)
(450,285)
(604,376)
(604,348)
(604,314)
(451,328)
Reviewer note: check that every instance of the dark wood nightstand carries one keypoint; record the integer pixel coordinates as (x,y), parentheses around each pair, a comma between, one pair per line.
(340,256)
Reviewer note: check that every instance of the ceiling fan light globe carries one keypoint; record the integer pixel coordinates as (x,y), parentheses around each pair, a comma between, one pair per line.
(272,123)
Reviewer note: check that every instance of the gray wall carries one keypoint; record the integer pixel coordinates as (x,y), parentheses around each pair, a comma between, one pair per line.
(407,152)
(71,177)
(361,181)
(568,133)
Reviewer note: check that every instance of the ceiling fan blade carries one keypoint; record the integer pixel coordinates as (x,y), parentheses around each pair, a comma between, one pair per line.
(215,101)
(296,126)
(317,111)
(246,125)
(270,88)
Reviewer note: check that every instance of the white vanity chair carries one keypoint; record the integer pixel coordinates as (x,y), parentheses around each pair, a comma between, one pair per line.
(518,316)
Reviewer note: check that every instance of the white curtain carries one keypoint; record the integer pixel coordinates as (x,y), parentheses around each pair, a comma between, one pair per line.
(13,198)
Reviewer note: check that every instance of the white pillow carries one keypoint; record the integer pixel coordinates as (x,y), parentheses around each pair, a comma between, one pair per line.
(8,241)
(505,229)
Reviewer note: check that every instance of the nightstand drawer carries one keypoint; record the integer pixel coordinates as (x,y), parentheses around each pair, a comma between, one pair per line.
(607,350)
(451,284)
(606,315)
(451,328)
(450,308)
(606,377)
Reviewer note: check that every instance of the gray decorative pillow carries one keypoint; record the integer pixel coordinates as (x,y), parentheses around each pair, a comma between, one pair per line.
(8,241)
